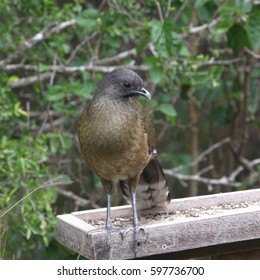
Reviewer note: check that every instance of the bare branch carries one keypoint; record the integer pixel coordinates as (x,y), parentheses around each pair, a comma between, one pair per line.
(60,69)
(152,49)
(79,201)
(43,34)
(224,180)
(29,80)
(185,3)
(84,41)
(72,69)
(117,58)
(168,8)
(159,9)
(204,154)
(205,170)
(206,26)
(253,54)
(16,67)
(213,62)
(208,181)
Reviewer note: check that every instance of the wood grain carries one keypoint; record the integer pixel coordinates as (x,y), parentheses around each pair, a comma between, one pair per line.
(202,221)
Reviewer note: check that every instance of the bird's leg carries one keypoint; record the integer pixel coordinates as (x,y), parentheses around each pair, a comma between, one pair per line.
(108,185)
(108,218)
(137,227)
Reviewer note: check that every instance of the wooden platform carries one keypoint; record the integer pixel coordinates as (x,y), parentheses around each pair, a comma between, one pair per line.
(188,224)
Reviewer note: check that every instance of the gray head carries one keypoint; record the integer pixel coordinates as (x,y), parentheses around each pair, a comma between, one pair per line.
(122,83)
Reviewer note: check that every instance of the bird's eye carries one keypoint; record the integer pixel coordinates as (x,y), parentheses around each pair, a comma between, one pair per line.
(127,85)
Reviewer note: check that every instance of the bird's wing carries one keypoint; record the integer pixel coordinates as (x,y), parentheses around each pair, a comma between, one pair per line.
(152,189)
(149,130)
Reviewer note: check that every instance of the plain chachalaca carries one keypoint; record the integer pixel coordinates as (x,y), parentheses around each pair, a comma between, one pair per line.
(117,139)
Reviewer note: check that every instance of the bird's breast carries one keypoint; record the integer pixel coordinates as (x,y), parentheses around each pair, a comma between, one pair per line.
(113,141)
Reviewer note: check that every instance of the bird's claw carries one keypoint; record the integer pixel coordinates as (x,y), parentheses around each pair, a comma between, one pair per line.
(136,229)
(138,240)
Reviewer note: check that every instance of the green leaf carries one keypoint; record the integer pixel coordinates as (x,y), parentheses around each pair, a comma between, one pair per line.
(66,48)
(169,111)
(70,109)
(142,43)
(156,30)
(42,68)
(88,19)
(161,35)
(237,37)
(170,36)
(55,93)
(253,27)
(13,78)
(157,74)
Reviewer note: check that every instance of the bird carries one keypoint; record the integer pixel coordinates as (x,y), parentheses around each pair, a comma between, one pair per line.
(118,141)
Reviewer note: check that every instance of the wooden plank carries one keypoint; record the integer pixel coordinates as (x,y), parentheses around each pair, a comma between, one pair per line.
(195,223)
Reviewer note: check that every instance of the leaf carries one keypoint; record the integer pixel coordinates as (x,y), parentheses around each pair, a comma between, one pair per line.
(13,78)
(205,9)
(66,48)
(253,27)
(88,19)
(70,109)
(168,28)
(55,93)
(156,30)
(157,74)
(237,37)
(169,111)
(42,68)
(161,35)
(142,43)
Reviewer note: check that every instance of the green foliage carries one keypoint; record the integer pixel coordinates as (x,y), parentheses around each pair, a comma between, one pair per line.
(237,37)
(22,171)
(189,49)
(253,27)
(89,19)
(169,111)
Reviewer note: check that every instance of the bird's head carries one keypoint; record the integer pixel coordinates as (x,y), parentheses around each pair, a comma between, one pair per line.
(122,83)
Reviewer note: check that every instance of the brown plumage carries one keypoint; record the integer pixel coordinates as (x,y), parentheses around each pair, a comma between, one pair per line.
(117,139)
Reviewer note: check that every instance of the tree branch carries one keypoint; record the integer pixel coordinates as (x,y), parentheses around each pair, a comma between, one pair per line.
(204,154)
(208,181)
(159,9)
(60,69)
(201,28)
(213,62)
(224,180)
(79,201)
(29,80)
(117,58)
(43,34)
(253,54)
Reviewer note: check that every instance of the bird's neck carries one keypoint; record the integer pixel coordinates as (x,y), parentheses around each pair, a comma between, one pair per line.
(113,112)
(112,121)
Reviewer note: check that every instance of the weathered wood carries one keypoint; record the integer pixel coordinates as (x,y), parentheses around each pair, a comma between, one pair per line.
(197,222)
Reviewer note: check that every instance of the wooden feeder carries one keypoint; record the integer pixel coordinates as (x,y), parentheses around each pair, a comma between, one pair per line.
(190,227)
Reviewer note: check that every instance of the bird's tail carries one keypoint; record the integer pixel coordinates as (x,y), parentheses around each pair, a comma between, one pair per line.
(152,189)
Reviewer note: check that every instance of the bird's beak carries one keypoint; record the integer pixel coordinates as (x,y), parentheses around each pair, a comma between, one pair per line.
(143,92)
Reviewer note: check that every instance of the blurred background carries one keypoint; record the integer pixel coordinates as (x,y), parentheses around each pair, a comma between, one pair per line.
(200,59)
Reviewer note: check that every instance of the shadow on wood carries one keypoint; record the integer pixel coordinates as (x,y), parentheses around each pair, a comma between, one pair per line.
(189,228)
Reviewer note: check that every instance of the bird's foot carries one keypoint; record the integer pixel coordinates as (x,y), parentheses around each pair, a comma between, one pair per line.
(136,229)
(140,235)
